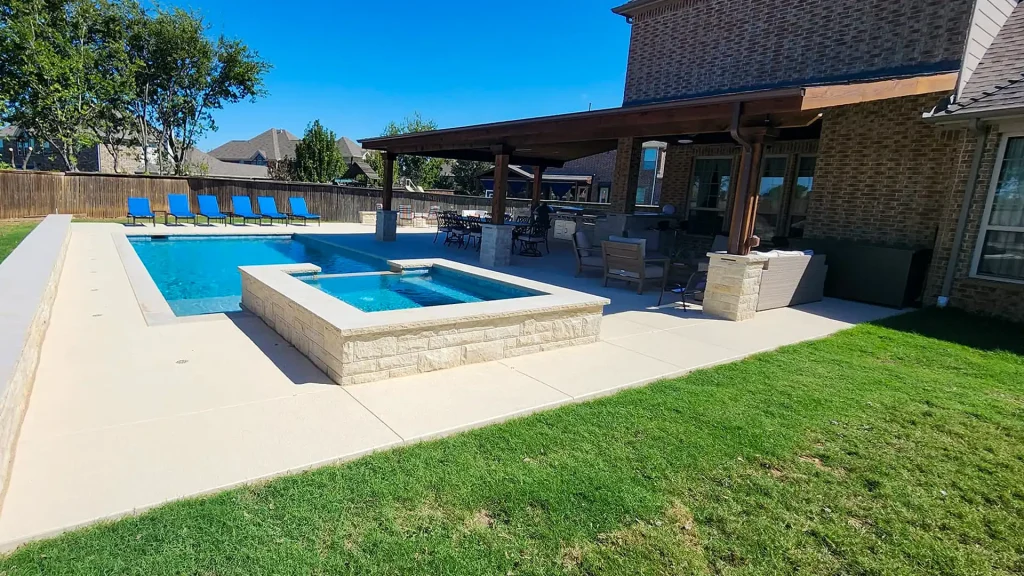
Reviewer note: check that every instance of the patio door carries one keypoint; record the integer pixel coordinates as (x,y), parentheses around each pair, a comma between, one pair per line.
(771,192)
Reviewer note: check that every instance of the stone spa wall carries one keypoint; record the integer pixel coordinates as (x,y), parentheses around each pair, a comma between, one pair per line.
(439,338)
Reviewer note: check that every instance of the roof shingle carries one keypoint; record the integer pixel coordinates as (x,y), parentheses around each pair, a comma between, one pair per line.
(998,81)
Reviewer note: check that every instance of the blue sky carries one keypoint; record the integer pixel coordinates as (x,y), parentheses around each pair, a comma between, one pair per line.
(358,65)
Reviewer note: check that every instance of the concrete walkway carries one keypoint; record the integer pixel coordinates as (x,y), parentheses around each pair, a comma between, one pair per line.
(126,416)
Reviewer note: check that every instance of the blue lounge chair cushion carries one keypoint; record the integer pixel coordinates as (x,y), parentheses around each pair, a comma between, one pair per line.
(208,207)
(299,208)
(242,206)
(139,208)
(177,205)
(268,207)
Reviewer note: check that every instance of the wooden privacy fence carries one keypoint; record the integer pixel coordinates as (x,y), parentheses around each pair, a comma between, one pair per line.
(29,194)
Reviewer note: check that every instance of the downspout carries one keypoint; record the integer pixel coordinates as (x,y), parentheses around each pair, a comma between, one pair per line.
(980,132)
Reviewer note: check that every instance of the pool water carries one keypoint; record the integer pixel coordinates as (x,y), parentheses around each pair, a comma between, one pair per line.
(414,289)
(199,274)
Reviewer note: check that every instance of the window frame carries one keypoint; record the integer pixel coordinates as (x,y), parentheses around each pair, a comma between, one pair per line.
(693,174)
(791,193)
(984,226)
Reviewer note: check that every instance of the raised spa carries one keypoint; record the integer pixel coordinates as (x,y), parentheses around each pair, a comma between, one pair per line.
(426,315)
(414,289)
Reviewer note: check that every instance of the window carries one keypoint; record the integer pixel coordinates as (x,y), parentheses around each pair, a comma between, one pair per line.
(1000,251)
(709,195)
(602,194)
(773,181)
(801,198)
(650,158)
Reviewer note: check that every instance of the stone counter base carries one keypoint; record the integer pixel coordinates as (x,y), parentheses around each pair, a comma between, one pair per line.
(391,351)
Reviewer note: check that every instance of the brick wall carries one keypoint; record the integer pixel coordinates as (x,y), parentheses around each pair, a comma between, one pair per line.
(689,47)
(625,175)
(973,294)
(883,173)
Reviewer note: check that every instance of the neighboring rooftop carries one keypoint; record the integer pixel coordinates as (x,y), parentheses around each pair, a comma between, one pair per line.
(997,84)
(215,167)
(350,149)
(274,145)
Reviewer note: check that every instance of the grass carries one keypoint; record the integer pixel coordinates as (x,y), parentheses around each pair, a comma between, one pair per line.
(895,448)
(11,234)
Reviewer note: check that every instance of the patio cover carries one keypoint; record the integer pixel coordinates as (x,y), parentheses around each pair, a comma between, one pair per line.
(550,141)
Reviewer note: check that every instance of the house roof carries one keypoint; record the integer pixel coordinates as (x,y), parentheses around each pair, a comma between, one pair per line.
(997,84)
(366,168)
(630,8)
(9,131)
(216,167)
(349,148)
(274,144)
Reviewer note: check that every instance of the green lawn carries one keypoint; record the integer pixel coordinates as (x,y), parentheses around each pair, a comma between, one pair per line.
(895,448)
(11,234)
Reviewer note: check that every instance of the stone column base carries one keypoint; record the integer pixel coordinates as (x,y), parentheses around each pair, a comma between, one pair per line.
(496,245)
(734,284)
(368,218)
(387,225)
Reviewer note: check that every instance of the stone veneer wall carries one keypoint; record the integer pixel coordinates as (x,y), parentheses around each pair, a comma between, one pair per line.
(397,350)
(29,276)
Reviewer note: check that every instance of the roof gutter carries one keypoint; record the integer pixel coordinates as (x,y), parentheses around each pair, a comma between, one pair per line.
(980,132)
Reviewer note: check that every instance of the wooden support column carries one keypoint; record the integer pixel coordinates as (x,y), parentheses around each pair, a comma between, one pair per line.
(389,180)
(501,160)
(538,181)
(744,207)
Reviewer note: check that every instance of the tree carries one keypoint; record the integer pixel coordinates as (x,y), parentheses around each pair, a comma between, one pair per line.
(317,158)
(114,122)
(466,176)
(421,170)
(185,76)
(53,75)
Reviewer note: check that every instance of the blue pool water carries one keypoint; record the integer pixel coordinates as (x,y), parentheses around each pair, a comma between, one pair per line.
(199,275)
(416,289)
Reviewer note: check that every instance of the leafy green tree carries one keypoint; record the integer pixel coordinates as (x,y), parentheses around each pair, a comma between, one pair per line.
(317,158)
(185,76)
(53,71)
(466,176)
(421,170)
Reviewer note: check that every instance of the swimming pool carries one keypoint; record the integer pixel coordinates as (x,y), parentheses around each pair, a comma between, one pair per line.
(414,289)
(199,274)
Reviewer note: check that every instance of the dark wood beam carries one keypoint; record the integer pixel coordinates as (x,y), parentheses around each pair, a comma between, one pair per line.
(538,181)
(501,162)
(744,206)
(389,180)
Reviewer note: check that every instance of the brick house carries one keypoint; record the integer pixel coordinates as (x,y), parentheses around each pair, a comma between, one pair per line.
(883,133)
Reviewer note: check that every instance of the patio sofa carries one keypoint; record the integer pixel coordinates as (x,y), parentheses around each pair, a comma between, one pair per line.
(791,278)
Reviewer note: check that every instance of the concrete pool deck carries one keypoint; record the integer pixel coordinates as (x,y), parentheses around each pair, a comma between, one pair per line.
(125,416)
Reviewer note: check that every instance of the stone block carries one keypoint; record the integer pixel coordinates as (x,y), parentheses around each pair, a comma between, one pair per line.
(399,361)
(440,359)
(361,367)
(406,344)
(367,349)
(484,352)
(496,245)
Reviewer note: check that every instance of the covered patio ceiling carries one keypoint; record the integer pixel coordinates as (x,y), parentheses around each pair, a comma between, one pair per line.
(550,141)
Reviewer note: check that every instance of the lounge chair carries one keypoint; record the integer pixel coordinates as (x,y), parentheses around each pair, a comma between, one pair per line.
(177,206)
(625,259)
(301,212)
(138,208)
(241,207)
(586,256)
(268,209)
(405,214)
(208,207)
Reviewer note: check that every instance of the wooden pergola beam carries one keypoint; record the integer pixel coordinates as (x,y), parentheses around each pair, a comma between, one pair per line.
(501,161)
(538,181)
(389,181)
(817,97)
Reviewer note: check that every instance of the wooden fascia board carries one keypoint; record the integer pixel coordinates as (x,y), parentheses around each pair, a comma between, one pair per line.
(818,97)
